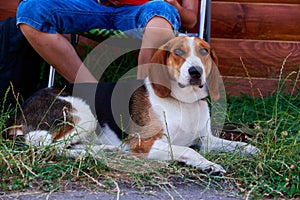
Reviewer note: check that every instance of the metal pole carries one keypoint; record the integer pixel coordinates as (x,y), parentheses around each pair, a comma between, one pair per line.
(208,21)
(202,18)
(51,76)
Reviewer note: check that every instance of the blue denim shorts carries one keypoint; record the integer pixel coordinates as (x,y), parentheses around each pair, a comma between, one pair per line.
(75,16)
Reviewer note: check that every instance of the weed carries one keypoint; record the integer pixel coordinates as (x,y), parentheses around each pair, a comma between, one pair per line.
(275,172)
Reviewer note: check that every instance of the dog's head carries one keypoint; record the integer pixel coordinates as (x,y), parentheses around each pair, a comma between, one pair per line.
(185,68)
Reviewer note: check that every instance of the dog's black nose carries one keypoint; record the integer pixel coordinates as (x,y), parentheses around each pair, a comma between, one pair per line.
(195,72)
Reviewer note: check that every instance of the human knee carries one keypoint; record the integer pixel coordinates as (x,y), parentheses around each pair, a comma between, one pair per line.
(25,28)
(159,22)
(37,14)
(164,16)
(30,8)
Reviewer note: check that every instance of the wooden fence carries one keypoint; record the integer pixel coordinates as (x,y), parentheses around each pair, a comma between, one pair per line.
(253,40)
(256,41)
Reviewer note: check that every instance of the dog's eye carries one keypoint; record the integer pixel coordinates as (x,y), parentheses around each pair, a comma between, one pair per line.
(179,52)
(203,52)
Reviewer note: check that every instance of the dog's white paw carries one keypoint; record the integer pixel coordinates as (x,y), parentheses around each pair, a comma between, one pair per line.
(192,158)
(249,150)
(212,169)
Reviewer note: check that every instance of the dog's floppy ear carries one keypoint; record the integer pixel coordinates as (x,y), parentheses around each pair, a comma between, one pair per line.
(214,78)
(158,73)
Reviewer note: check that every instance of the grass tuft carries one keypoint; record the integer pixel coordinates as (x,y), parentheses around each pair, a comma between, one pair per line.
(274,173)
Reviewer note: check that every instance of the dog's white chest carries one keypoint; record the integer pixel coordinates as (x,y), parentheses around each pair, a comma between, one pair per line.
(183,122)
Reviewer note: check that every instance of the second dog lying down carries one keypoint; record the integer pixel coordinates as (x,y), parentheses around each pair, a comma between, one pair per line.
(157,119)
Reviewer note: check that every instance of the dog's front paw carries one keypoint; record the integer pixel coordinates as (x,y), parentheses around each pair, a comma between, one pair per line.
(212,169)
(192,158)
(250,150)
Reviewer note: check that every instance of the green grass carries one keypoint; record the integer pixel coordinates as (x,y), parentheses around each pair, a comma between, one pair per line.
(275,172)
(272,174)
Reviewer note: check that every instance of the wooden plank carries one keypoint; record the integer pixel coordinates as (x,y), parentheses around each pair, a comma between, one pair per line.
(260,58)
(8,8)
(237,86)
(256,21)
(261,1)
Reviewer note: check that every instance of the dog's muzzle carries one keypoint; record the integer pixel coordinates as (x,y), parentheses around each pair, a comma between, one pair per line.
(196,73)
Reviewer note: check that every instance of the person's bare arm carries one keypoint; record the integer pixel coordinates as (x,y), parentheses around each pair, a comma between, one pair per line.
(188,11)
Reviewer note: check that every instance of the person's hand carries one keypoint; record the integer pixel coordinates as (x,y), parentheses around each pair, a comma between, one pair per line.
(187,10)
(173,2)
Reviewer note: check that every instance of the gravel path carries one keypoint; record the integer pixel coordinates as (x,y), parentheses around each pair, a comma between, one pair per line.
(186,192)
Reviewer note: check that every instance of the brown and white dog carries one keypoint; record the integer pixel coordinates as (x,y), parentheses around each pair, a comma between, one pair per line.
(168,113)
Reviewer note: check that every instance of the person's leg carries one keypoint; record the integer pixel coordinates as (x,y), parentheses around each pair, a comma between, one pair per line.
(157,32)
(158,20)
(42,23)
(58,52)
(160,25)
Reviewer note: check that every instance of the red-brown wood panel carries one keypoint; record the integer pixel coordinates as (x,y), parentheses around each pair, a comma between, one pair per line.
(260,58)
(8,8)
(236,86)
(255,21)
